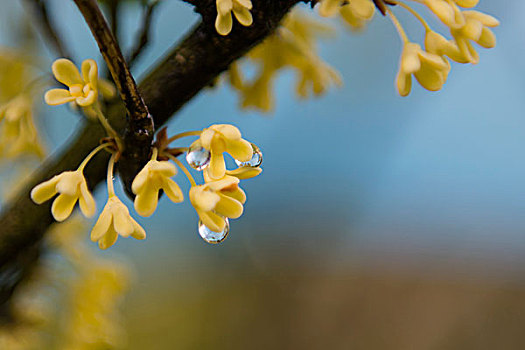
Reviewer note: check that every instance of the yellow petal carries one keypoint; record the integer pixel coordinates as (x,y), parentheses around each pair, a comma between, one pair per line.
(237,194)
(429,78)
(66,72)
(487,38)
(228,207)
(244,173)
(224,23)
(138,231)
(45,191)
(146,200)
(240,149)
(86,201)
(212,221)
(243,15)
(404,83)
(217,167)
(140,180)
(486,20)
(122,223)
(172,190)
(63,206)
(108,239)
(102,225)
(90,72)
(55,97)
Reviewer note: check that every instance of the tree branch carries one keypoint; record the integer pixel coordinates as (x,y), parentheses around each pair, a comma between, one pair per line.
(140,128)
(189,68)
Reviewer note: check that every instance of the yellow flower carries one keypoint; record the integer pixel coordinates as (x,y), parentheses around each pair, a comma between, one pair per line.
(217,200)
(437,44)
(241,10)
(82,89)
(71,186)
(113,221)
(292,46)
(476,28)
(155,176)
(430,70)
(18,134)
(357,13)
(220,138)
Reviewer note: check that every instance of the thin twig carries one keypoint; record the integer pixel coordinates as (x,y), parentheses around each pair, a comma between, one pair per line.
(39,10)
(144,35)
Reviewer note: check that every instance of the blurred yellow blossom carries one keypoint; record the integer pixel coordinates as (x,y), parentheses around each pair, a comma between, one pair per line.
(155,176)
(217,200)
(18,134)
(82,89)
(292,46)
(241,10)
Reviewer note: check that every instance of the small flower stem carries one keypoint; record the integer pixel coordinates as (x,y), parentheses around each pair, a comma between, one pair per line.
(184,134)
(398,26)
(183,168)
(109,129)
(413,12)
(111,189)
(154,153)
(92,154)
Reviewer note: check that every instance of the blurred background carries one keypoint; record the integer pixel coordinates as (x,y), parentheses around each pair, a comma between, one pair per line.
(379,222)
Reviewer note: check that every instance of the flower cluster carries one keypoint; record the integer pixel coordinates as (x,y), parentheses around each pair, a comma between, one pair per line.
(292,46)
(215,201)
(430,66)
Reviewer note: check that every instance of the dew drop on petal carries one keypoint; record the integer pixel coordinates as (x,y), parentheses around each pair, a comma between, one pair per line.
(211,236)
(198,157)
(256,160)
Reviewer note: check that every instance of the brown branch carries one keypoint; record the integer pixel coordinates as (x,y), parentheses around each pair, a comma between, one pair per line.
(144,35)
(140,128)
(189,68)
(39,10)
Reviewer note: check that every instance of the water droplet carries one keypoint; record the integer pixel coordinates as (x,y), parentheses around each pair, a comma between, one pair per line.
(198,157)
(256,160)
(211,236)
